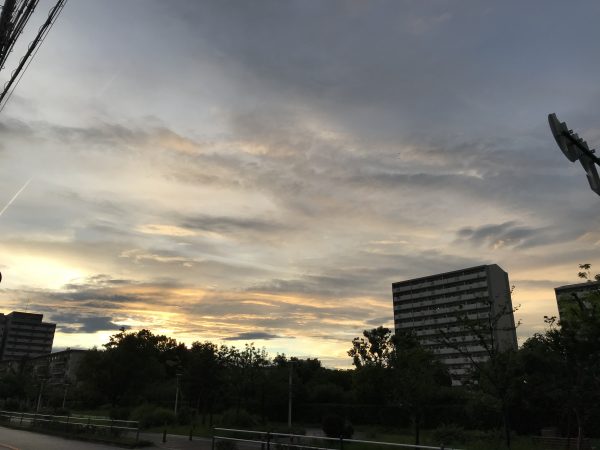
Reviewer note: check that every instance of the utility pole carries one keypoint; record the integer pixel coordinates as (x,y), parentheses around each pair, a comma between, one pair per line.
(290,386)
(64,402)
(176,393)
(39,401)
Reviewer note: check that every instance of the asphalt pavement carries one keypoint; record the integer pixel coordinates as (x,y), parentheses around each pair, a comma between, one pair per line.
(28,440)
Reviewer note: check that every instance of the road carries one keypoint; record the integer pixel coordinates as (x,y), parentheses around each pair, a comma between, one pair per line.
(27,440)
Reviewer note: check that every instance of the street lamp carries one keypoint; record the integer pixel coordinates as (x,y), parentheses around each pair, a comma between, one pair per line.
(575,148)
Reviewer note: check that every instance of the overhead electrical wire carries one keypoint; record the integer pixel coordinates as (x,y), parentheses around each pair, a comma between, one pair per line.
(26,9)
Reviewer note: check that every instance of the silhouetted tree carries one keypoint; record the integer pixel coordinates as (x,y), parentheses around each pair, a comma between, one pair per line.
(402,371)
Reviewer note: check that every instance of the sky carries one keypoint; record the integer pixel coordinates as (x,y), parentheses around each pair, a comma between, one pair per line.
(262,171)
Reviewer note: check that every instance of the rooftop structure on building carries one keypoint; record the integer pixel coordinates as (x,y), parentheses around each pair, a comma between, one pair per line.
(435,309)
(24,335)
(573,296)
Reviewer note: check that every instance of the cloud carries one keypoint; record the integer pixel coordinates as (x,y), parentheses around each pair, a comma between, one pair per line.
(231,224)
(251,336)
(288,161)
(380,321)
(507,234)
(75,323)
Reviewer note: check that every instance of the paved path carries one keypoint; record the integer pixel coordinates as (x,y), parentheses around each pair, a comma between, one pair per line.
(28,440)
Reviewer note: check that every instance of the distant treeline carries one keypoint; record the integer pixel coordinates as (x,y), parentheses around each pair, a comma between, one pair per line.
(553,380)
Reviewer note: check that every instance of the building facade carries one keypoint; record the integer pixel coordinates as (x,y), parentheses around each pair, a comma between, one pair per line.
(57,368)
(573,296)
(457,314)
(24,335)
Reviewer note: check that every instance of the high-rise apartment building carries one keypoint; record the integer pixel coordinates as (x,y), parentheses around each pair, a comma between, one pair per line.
(24,335)
(574,296)
(433,309)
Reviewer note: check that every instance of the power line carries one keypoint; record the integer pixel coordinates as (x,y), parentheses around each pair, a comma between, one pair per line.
(10,33)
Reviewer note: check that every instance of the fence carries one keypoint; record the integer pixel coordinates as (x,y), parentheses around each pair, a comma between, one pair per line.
(282,441)
(81,425)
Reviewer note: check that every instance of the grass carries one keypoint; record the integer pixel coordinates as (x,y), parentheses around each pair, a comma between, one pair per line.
(184,430)
(474,440)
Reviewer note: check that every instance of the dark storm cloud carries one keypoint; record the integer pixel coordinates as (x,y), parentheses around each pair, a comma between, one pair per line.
(252,335)
(415,63)
(75,323)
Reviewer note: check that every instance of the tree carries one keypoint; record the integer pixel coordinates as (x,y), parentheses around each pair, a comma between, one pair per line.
(373,349)
(585,272)
(417,378)
(578,343)
(130,363)
(494,373)
(203,377)
(370,356)
(565,359)
(404,372)
(245,371)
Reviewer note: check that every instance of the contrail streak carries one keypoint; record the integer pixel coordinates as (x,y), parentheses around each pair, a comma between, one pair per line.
(14,197)
(107,84)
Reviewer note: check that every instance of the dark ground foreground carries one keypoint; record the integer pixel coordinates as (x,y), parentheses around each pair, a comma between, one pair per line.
(27,440)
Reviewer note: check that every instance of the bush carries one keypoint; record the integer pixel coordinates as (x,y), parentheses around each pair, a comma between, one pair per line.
(240,418)
(119,413)
(152,416)
(185,415)
(61,412)
(225,445)
(12,405)
(450,434)
(336,426)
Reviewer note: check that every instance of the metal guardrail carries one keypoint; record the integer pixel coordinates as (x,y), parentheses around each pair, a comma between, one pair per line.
(86,423)
(266,439)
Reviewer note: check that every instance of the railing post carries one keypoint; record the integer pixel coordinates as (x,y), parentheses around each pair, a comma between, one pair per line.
(137,433)
(213,442)
(268,440)
(165,434)
(441,446)
(21,422)
(341,442)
